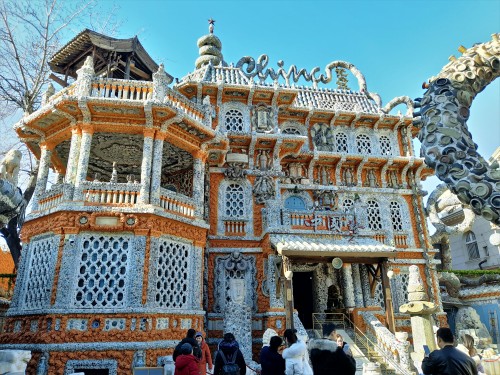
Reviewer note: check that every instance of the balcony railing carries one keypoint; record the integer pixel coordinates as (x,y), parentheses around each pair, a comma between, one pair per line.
(234,227)
(121,89)
(318,220)
(176,203)
(107,193)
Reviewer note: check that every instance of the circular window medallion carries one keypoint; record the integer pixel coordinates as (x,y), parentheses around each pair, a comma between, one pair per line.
(130,221)
(95,324)
(83,220)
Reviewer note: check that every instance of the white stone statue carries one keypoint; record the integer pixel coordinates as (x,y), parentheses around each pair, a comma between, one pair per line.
(9,168)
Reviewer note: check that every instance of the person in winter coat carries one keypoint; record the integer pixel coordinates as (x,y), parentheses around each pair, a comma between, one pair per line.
(231,350)
(326,355)
(270,359)
(295,355)
(186,363)
(206,357)
(191,341)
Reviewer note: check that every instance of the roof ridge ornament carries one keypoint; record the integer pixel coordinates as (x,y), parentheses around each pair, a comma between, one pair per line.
(211,24)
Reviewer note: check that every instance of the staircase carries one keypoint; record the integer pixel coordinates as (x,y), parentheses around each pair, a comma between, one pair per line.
(364,348)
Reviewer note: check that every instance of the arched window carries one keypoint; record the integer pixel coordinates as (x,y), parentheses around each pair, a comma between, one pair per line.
(396,217)
(291,130)
(374,217)
(295,203)
(233,120)
(341,142)
(235,204)
(385,145)
(363,144)
(471,244)
(347,204)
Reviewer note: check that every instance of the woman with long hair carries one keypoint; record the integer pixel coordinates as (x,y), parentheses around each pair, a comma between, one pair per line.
(295,355)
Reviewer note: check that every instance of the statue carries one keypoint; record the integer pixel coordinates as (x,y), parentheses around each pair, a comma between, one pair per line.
(393,180)
(325,175)
(322,137)
(114,174)
(235,171)
(263,189)
(348,177)
(371,178)
(263,160)
(9,168)
(97,175)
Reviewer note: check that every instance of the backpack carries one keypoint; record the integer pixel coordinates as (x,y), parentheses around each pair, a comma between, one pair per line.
(230,367)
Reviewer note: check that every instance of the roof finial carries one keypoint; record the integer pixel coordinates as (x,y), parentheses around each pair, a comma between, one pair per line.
(211,23)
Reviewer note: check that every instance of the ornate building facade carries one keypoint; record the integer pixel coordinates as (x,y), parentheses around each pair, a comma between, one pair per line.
(221,202)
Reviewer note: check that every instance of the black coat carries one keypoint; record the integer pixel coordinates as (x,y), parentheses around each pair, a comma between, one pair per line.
(271,361)
(229,349)
(192,342)
(449,361)
(328,358)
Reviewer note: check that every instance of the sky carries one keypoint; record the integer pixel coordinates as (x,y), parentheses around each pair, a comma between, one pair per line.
(397,45)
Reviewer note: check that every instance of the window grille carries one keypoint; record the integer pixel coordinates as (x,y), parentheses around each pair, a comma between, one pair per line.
(363,144)
(347,204)
(385,145)
(471,244)
(235,205)
(172,276)
(396,217)
(341,142)
(292,131)
(233,121)
(39,285)
(102,280)
(374,217)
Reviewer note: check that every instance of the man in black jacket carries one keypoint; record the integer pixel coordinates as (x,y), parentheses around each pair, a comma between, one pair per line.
(327,357)
(190,340)
(449,360)
(229,352)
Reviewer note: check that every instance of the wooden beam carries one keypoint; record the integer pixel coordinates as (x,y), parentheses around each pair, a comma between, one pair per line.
(58,80)
(386,287)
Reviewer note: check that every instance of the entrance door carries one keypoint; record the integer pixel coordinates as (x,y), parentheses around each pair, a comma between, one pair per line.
(303,297)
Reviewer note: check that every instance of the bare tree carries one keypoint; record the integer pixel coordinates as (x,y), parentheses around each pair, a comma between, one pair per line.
(30,34)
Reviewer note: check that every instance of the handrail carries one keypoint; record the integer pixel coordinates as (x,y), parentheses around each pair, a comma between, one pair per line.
(359,337)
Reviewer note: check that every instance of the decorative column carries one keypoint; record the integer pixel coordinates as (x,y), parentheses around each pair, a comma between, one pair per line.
(358,290)
(154,198)
(147,154)
(43,173)
(76,138)
(420,311)
(199,182)
(83,160)
(386,287)
(287,268)
(348,285)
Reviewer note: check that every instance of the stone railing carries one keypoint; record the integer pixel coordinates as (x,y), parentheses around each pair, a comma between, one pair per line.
(176,203)
(121,89)
(108,193)
(401,241)
(318,220)
(380,238)
(50,198)
(69,90)
(235,227)
(179,101)
(398,351)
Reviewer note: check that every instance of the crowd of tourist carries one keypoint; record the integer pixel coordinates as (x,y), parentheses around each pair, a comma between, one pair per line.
(290,356)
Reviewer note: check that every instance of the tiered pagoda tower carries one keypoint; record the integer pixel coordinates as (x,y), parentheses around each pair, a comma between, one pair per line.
(222,202)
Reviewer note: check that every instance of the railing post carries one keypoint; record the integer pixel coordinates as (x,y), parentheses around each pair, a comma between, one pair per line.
(85,75)
(147,153)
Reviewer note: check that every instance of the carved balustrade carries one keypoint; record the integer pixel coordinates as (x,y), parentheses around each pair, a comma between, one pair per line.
(235,227)
(108,193)
(177,203)
(401,241)
(54,196)
(121,89)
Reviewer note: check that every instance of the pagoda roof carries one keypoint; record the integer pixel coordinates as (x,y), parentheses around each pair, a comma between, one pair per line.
(72,55)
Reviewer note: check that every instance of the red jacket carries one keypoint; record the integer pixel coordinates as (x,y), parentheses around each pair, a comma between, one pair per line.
(186,364)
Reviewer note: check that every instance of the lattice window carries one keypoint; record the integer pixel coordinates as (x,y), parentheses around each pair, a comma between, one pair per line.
(233,120)
(385,145)
(363,144)
(471,244)
(172,282)
(396,217)
(379,295)
(341,142)
(102,280)
(235,203)
(291,130)
(347,204)
(374,217)
(40,275)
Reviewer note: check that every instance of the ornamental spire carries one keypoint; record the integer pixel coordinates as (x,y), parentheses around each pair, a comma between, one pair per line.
(210,48)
